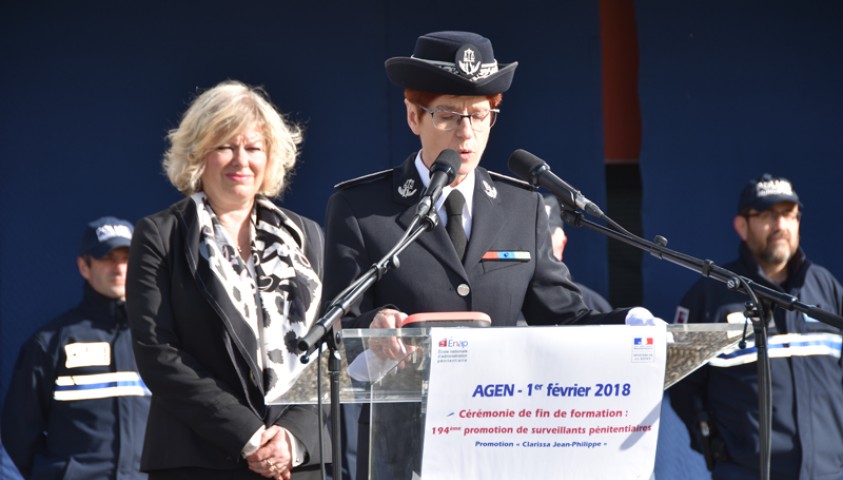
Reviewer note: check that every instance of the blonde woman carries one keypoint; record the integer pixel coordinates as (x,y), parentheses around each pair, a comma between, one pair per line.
(219,286)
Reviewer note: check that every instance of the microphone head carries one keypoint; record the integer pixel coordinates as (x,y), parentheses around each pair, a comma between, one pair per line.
(525,165)
(448,162)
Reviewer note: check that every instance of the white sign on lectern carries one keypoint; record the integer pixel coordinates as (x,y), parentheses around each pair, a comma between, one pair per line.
(544,402)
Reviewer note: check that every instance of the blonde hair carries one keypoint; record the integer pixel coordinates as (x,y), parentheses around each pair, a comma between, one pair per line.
(219,114)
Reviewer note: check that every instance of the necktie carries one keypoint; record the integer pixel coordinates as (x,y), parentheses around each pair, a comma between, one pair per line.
(454,205)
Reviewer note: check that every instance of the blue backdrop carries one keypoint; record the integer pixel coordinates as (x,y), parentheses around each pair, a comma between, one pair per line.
(730,90)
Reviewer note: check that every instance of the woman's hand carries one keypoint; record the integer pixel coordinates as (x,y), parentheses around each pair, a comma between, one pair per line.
(388,347)
(274,458)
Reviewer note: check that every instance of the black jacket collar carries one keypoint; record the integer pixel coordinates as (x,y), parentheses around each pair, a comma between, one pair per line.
(101,309)
(797,267)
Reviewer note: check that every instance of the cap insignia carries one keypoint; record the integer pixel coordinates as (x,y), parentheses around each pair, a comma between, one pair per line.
(466,60)
(774,187)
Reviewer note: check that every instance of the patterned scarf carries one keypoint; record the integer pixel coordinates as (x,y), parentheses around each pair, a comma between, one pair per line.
(276,293)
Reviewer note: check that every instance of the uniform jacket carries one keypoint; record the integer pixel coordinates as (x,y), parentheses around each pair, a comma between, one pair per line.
(195,358)
(76,407)
(807,379)
(365,219)
(508,272)
(593,300)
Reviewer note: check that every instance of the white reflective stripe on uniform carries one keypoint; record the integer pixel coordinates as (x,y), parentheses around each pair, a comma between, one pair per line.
(783,346)
(99,385)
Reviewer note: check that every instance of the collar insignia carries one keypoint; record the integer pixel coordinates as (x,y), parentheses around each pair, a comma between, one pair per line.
(491,191)
(407,190)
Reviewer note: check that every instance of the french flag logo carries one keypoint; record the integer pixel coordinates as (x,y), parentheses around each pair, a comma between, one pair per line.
(638,341)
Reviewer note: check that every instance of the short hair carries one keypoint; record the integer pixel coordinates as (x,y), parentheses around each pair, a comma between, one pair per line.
(424,99)
(220,113)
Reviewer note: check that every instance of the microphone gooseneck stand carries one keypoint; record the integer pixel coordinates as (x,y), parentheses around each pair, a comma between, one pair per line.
(759,308)
(326,330)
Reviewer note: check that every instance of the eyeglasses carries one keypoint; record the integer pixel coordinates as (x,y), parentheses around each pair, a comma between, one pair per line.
(446,120)
(768,216)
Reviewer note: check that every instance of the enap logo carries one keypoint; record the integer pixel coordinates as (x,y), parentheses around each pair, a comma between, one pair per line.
(452,343)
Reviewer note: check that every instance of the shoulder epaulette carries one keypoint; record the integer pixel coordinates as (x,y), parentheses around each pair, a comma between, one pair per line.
(499,177)
(363,180)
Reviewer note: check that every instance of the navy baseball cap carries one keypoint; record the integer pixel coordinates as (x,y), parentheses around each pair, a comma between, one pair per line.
(104,235)
(764,192)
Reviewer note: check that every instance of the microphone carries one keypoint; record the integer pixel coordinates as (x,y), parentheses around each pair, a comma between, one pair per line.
(442,172)
(537,172)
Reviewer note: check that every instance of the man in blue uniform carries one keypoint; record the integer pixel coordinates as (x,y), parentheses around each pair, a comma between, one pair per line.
(76,406)
(719,402)
(499,261)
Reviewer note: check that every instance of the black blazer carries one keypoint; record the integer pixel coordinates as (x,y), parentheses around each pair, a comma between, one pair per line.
(206,403)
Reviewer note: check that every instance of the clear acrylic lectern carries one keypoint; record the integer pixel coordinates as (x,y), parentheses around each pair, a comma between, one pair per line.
(397,392)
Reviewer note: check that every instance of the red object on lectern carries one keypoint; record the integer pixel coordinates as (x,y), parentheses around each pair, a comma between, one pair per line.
(447,319)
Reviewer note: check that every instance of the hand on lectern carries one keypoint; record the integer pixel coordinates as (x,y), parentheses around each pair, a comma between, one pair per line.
(382,354)
(390,348)
(639,316)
